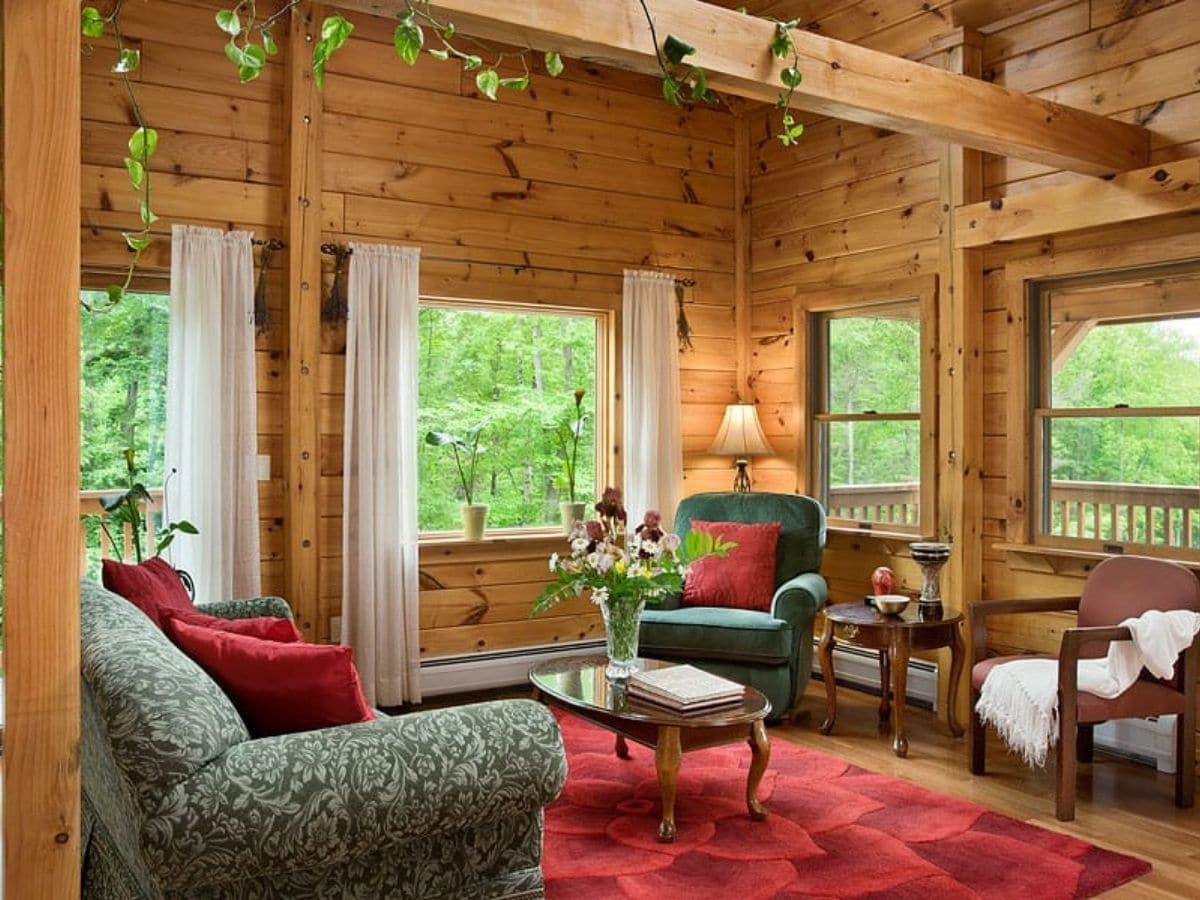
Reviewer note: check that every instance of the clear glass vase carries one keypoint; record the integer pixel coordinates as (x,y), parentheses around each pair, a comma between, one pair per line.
(622,617)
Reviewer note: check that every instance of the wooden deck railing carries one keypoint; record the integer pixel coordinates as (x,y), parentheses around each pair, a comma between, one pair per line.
(1152,515)
(94,543)
(894,504)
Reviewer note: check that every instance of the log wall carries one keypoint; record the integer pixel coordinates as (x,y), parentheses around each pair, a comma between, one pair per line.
(580,178)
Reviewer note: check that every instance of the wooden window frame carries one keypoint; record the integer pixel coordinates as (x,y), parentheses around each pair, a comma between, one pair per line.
(807,310)
(1020,275)
(606,389)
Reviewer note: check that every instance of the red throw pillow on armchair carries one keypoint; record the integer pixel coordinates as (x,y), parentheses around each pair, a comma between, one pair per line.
(278,688)
(745,578)
(152,586)
(266,628)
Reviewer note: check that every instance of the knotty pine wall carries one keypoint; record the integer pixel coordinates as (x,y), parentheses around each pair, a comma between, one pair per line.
(853,205)
(585,175)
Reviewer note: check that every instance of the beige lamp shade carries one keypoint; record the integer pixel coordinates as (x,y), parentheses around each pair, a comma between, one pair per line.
(740,433)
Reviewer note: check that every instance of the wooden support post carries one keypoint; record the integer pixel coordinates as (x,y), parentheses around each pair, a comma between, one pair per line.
(41,447)
(304,322)
(960,371)
(841,80)
(742,149)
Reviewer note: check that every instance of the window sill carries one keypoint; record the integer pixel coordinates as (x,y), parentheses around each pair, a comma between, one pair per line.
(891,539)
(1049,560)
(496,537)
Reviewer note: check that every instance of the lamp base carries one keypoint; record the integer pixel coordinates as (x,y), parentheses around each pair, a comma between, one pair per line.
(741,481)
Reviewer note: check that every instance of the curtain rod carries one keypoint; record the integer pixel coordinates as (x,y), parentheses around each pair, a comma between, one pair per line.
(332,249)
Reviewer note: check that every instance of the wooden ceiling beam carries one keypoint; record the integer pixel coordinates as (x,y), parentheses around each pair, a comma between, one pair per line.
(840,79)
(1167,189)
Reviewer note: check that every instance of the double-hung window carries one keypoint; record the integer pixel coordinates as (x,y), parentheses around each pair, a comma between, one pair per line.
(514,371)
(868,452)
(1115,393)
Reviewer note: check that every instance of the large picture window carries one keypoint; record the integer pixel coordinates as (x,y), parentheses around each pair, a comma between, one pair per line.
(514,371)
(1115,391)
(867,454)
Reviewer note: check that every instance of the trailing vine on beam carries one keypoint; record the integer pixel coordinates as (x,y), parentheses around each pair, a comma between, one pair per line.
(251,42)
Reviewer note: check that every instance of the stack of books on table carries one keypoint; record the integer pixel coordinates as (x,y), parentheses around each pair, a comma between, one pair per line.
(685,689)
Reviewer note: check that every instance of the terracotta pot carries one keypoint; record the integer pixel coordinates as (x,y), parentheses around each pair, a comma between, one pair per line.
(474,516)
(571,513)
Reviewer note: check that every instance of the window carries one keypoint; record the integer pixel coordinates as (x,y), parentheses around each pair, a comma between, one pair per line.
(515,370)
(1115,388)
(123,395)
(867,454)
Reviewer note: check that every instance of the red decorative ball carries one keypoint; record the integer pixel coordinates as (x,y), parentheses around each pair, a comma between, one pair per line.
(883,581)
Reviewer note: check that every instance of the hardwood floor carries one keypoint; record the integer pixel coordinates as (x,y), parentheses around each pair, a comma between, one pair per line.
(1120,805)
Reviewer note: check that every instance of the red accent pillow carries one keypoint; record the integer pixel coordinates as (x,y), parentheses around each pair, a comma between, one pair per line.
(153,587)
(279,688)
(745,578)
(266,628)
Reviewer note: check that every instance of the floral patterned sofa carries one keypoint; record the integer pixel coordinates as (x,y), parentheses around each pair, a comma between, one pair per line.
(180,802)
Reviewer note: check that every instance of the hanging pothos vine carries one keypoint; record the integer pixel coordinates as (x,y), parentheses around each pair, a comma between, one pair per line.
(250,42)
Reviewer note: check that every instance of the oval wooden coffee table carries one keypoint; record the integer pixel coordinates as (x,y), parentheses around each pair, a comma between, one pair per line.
(894,637)
(580,687)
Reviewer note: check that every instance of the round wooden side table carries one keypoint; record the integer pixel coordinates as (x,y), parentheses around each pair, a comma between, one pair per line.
(894,637)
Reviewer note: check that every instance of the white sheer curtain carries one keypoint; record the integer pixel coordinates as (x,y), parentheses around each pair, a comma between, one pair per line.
(379,543)
(212,421)
(653,431)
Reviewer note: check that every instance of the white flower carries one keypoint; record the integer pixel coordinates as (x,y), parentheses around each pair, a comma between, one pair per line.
(599,595)
(579,546)
(553,561)
(604,562)
(670,542)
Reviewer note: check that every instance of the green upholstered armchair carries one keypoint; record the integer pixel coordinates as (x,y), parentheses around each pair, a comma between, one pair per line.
(771,651)
(180,802)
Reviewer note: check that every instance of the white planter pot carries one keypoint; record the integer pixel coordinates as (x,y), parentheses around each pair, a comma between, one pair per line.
(571,513)
(474,516)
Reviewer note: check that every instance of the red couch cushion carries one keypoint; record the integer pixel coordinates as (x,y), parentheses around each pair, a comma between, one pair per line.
(267,628)
(745,578)
(152,586)
(278,688)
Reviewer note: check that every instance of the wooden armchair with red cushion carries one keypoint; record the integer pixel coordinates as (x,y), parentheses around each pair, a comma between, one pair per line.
(1119,588)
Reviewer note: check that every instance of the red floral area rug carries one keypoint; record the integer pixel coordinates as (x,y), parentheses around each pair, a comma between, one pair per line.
(835,830)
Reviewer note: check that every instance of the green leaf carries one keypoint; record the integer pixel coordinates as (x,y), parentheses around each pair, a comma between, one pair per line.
(488,82)
(781,43)
(515,84)
(147,215)
(554,63)
(143,143)
(335,31)
(700,85)
(253,60)
(790,76)
(91,22)
(229,22)
(185,526)
(248,73)
(127,61)
(137,242)
(443,55)
(670,90)
(675,49)
(114,293)
(233,53)
(408,40)
(471,62)
(164,543)
(136,171)
(269,44)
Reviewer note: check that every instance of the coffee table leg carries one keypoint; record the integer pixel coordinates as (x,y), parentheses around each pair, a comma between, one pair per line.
(826,652)
(622,747)
(760,749)
(666,761)
(899,654)
(957,654)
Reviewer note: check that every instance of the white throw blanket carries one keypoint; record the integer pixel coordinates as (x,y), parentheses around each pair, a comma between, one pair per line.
(1020,698)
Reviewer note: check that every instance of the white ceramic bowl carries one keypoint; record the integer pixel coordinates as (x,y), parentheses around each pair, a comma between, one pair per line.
(891,604)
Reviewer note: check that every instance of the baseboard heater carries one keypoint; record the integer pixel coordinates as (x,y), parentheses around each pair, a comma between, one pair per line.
(858,668)
(496,669)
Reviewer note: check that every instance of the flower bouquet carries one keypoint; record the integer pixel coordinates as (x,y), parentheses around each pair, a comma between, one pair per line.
(623,572)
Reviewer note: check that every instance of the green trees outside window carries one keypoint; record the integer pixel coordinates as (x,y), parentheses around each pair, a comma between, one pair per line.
(518,371)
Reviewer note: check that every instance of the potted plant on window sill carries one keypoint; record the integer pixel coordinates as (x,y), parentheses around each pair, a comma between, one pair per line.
(566,435)
(466,456)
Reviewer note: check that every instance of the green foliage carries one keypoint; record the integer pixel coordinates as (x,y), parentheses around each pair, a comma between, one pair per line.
(554,63)
(91,22)
(335,31)
(467,447)
(488,82)
(516,370)
(125,513)
(566,434)
(408,39)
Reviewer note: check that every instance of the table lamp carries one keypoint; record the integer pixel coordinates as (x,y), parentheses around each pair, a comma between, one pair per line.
(741,437)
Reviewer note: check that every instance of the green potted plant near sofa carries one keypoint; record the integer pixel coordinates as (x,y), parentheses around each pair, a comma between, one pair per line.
(566,435)
(466,451)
